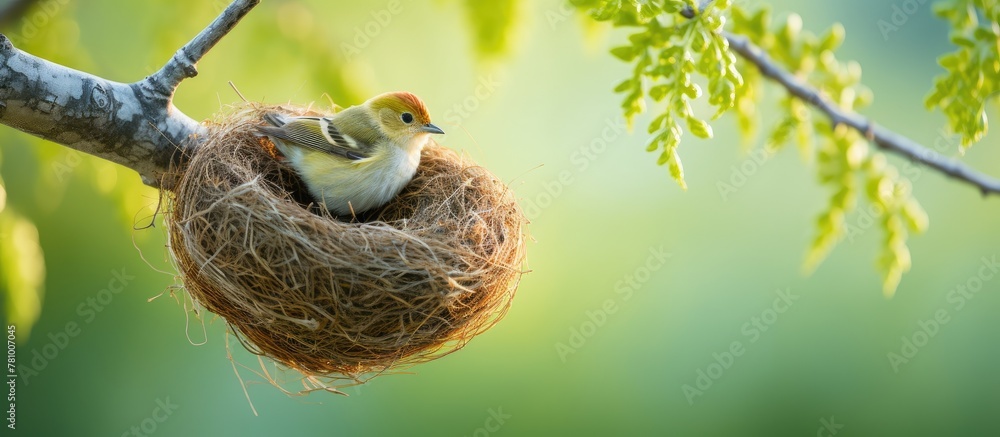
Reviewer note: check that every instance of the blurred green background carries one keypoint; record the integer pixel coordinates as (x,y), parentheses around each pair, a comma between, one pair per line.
(531,101)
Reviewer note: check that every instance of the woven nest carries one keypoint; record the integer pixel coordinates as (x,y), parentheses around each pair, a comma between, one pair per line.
(407,283)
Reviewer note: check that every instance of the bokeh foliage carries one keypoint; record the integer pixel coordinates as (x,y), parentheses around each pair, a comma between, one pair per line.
(51,29)
(824,357)
(677,42)
(676,59)
(494,25)
(972,71)
(23,268)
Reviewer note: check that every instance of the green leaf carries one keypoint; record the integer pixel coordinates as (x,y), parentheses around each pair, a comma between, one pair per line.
(962,40)
(659,122)
(985,34)
(658,92)
(699,128)
(692,91)
(915,216)
(625,53)
(625,85)
(664,157)
(699,42)
(734,76)
(654,143)
(677,169)
(682,108)
(606,11)
(639,39)
(833,38)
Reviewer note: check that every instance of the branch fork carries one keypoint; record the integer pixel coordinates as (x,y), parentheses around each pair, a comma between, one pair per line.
(135,124)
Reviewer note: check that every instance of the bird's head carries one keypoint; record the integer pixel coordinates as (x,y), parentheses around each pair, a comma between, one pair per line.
(402,117)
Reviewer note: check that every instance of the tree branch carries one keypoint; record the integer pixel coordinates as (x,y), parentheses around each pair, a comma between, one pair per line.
(183,64)
(135,125)
(885,139)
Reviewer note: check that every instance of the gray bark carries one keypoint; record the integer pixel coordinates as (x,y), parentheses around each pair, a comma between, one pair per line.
(134,124)
(885,139)
(137,125)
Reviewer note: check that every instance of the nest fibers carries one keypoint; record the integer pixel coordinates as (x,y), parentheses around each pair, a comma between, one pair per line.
(409,282)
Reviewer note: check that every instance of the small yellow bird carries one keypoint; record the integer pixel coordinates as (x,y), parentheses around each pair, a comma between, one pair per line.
(359,158)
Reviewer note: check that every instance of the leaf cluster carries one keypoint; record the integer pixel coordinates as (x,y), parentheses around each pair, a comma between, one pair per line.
(668,51)
(677,42)
(845,161)
(972,71)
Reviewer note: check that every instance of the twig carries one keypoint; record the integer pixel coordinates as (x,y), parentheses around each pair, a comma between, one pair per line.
(183,64)
(884,138)
(135,125)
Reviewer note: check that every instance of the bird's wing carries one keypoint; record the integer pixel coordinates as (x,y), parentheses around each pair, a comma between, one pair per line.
(318,133)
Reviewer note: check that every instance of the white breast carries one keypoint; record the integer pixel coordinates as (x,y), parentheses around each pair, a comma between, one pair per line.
(367,184)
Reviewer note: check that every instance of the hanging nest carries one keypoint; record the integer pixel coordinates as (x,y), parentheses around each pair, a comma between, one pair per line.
(407,283)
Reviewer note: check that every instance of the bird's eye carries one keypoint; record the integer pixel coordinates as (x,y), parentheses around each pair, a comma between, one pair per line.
(407,117)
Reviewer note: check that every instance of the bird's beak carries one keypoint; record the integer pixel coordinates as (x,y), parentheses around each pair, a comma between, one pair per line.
(430,128)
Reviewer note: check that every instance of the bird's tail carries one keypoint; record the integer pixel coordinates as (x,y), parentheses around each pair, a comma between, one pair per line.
(275,119)
(274,131)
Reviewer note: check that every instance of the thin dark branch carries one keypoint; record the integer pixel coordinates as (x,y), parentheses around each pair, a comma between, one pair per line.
(884,138)
(184,62)
(14,10)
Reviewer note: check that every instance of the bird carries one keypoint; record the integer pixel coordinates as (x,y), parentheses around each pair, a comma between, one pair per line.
(359,158)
